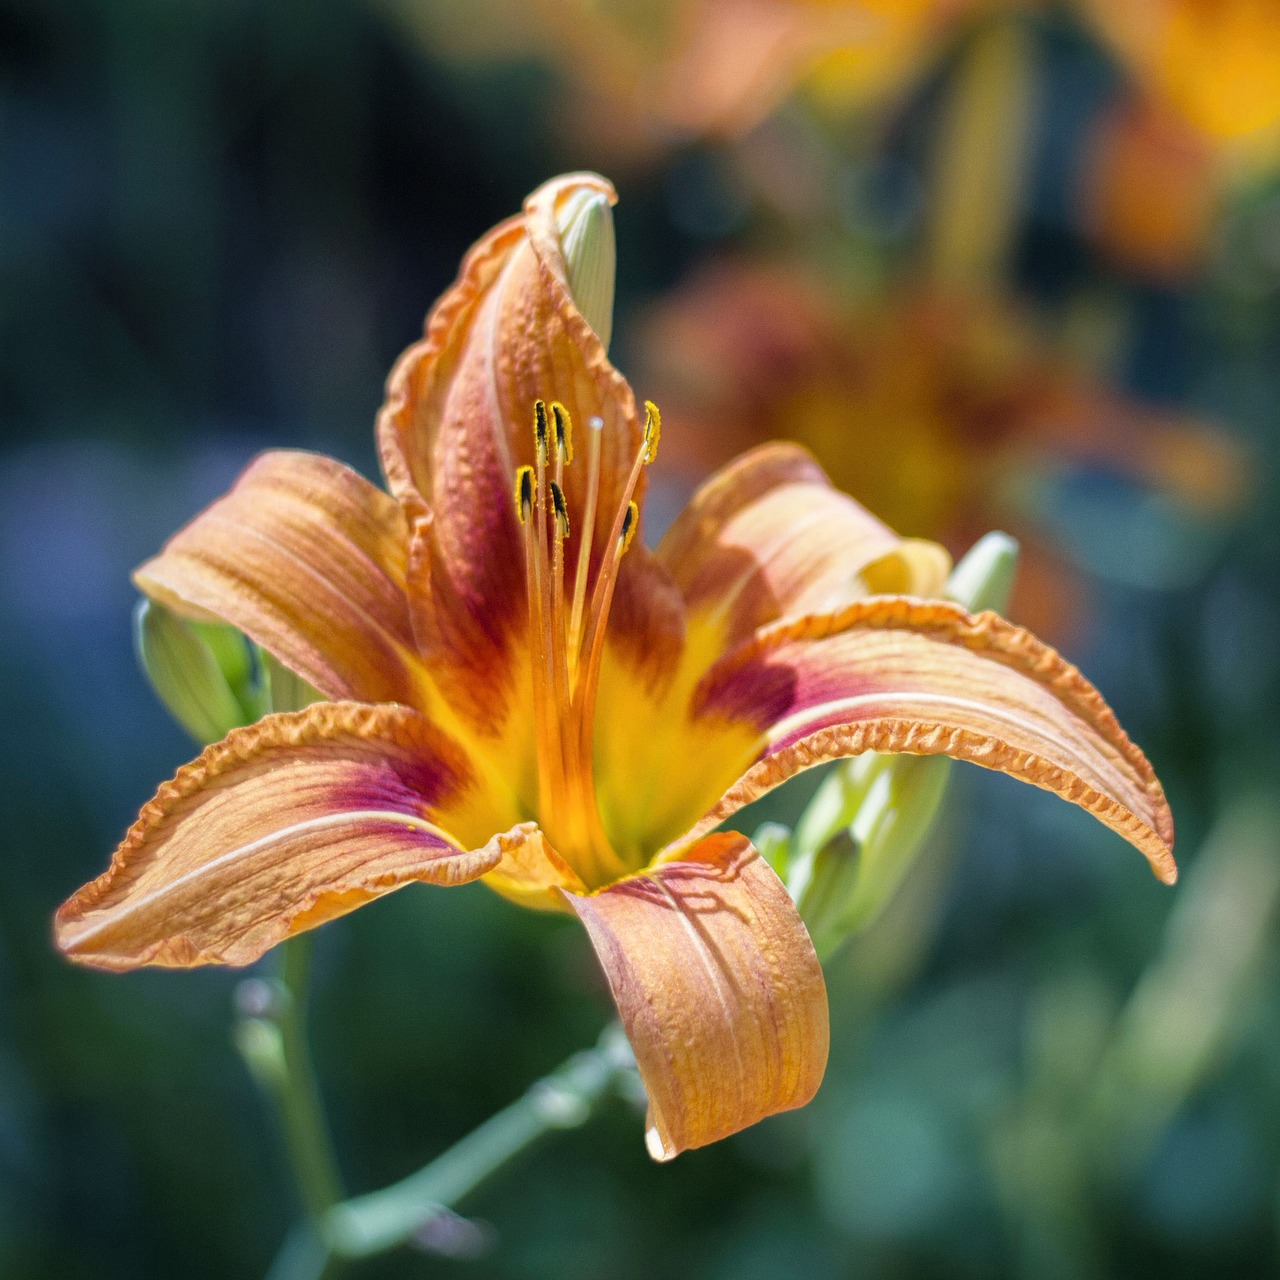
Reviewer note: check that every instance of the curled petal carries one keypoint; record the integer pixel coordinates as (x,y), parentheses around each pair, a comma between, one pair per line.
(893,674)
(279,827)
(458,422)
(768,536)
(533,874)
(307,558)
(718,987)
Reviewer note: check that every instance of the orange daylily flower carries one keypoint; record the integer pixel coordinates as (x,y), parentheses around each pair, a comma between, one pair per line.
(521,691)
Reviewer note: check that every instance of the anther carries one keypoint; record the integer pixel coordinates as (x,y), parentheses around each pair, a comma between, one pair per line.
(540,429)
(630,522)
(526,493)
(560,509)
(564,432)
(652,430)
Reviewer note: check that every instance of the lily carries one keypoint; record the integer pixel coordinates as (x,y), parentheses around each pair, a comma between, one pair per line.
(519,690)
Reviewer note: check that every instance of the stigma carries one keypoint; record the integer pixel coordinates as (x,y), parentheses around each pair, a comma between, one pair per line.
(569,608)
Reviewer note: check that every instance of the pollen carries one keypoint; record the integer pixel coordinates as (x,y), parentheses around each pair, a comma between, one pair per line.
(563,432)
(630,522)
(560,509)
(526,493)
(540,429)
(652,430)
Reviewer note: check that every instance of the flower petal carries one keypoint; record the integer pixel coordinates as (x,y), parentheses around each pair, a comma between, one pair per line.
(307,558)
(718,987)
(894,674)
(279,827)
(768,536)
(457,423)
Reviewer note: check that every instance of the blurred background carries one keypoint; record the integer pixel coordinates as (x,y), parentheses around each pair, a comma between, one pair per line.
(1000,264)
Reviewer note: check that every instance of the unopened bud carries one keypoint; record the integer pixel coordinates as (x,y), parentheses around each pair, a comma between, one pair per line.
(285,690)
(773,843)
(585,222)
(984,577)
(862,831)
(201,672)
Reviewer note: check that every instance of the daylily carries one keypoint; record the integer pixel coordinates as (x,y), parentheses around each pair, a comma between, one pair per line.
(521,691)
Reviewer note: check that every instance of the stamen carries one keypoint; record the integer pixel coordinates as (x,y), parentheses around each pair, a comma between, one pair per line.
(566,651)
(526,493)
(624,527)
(630,523)
(564,432)
(549,750)
(652,430)
(560,510)
(595,432)
(540,430)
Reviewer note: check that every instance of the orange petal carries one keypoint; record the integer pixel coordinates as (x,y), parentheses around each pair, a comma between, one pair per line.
(279,827)
(718,987)
(308,559)
(893,674)
(458,422)
(532,874)
(768,536)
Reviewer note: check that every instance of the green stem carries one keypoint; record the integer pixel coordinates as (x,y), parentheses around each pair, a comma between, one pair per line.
(301,1110)
(272,1038)
(564,1099)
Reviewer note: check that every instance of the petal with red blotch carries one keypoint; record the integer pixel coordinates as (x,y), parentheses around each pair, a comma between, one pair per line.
(894,674)
(307,558)
(768,537)
(458,422)
(718,988)
(281,826)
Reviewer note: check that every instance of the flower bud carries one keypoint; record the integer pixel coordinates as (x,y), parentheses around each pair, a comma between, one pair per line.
(984,577)
(285,691)
(773,842)
(202,672)
(860,834)
(585,222)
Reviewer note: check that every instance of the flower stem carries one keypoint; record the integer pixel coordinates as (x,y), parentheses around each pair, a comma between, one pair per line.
(302,1112)
(565,1099)
(272,1037)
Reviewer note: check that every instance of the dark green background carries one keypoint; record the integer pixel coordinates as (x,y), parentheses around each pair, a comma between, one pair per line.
(219,223)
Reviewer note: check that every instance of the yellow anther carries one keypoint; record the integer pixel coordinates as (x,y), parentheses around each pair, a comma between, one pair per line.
(560,509)
(540,429)
(630,523)
(652,430)
(526,493)
(564,432)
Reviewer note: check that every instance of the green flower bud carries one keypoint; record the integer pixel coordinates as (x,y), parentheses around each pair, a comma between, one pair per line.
(773,841)
(866,823)
(202,672)
(984,577)
(585,223)
(285,690)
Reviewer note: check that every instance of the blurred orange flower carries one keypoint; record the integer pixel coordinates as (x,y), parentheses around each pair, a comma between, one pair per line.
(644,74)
(1151,189)
(1217,62)
(928,407)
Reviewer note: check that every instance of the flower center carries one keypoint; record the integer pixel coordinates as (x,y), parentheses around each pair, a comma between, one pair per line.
(567,629)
